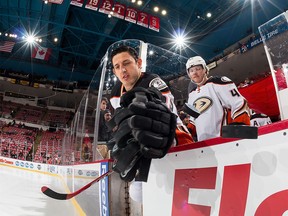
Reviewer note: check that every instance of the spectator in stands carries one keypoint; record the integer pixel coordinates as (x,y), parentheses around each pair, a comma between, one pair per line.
(186,119)
(86,152)
(217,99)
(104,133)
(259,119)
(104,103)
(103,107)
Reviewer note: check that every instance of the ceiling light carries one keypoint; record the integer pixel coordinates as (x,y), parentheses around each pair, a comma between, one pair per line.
(46,2)
(163,12)
(139,2)
(133,1)
(179,40)
(30,39)
(151,52)
(55,39)
(208,14)
(156,9)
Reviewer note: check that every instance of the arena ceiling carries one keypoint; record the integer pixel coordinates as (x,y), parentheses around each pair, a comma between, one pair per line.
(84,34)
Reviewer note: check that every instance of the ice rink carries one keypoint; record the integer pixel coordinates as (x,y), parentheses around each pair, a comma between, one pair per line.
(20,194)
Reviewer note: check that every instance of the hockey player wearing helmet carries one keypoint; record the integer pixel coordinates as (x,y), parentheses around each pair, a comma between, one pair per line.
(217,99)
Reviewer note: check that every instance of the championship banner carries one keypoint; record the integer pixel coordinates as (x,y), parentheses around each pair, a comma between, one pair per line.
(119,10)
(92,4)
(154,23)
(78,3)
(143,19)
(106,6)
(55,1)
(131,15)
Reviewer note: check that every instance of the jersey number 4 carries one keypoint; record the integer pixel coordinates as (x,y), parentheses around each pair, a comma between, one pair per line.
(234,92)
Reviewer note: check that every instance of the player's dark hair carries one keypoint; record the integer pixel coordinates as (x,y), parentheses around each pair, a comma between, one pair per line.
(128,49)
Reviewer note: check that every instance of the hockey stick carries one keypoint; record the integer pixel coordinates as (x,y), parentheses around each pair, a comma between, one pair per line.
(62,196)
(191,110)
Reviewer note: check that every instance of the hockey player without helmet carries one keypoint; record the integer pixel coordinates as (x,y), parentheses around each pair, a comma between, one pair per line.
(196,60)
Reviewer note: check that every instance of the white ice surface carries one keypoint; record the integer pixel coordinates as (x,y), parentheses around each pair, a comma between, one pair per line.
(20,194)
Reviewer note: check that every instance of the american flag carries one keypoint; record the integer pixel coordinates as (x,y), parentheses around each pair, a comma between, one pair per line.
(6,46)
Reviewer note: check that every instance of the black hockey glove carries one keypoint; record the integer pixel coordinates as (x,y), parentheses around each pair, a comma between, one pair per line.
(146,130)
(152,124)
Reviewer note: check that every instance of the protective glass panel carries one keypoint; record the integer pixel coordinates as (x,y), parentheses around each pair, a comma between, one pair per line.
(79,142)
(274,34)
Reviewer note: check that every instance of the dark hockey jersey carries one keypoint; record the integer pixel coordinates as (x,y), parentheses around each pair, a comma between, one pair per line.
(146,80)
(152,80)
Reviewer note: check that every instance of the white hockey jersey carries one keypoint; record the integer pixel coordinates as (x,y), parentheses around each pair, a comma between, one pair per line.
(214,100)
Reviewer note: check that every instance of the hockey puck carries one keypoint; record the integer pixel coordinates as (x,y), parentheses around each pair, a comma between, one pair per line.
(240,131)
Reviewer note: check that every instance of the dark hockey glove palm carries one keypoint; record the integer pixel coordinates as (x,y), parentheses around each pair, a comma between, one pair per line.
(152,124)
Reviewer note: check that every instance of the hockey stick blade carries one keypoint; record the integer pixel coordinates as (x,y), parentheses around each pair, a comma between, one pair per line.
(240,131)
(62,196)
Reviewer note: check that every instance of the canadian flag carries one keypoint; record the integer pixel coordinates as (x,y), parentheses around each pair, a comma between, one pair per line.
(42,53)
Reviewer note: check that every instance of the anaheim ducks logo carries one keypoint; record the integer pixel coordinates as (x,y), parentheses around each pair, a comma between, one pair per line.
(158,83)
(225,79)
(202,104)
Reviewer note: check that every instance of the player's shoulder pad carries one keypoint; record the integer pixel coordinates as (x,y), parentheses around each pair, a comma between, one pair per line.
(157,83)
(221,80)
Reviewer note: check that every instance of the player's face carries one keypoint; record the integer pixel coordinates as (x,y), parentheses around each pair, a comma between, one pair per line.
(197,74)
(127,69)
